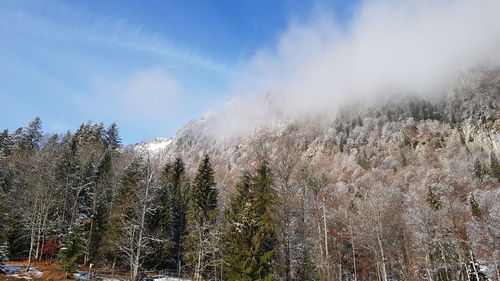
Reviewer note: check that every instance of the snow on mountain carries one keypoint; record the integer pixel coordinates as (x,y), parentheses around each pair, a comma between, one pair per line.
(469,111)
(155,145)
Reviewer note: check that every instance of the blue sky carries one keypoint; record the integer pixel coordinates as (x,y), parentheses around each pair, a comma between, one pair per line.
(151,66)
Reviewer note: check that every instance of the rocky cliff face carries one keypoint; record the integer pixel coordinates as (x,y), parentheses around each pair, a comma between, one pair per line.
(466,116)
(403,175)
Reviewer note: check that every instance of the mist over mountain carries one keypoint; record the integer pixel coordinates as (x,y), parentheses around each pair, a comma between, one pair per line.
(363,151)
(389,48)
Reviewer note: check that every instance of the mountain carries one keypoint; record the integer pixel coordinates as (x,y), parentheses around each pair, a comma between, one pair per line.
(402,187)
(409,183)
(466,114)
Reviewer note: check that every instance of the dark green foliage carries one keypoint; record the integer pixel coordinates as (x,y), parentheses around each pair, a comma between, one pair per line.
(306,270)
(363,160)
(203,194)
(201,215)
(251,235)
(111,137)
(170,218)
(14,235)
(433,200)
(71,252)
(445,258)
(421,110)
(5,143)
(32,135)
(494,166)
(89,133)
(480,169)
(4,252)
(462,138)
(474,208)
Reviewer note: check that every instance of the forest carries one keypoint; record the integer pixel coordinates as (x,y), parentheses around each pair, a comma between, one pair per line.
(423,208)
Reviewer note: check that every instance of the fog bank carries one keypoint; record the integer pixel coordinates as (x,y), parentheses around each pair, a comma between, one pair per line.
(389,47)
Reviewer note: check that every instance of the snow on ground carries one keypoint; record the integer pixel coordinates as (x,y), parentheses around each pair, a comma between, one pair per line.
(170,279)
(28,275)
(82,275)
(15,271)
(9,269)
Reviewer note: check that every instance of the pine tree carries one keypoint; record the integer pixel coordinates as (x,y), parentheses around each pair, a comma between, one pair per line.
(71,252)
(251,237)
(111,137)
(170,217)
(479,169)
(202,216)
(494,166)
(475,209)
(5,143)
(33,134)
(203,194)
(4,252)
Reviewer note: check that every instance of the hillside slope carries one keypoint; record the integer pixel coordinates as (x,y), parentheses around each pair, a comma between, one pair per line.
(416,180)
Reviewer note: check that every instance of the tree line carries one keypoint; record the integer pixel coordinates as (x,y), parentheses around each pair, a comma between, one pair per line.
(82,198)
(78,199)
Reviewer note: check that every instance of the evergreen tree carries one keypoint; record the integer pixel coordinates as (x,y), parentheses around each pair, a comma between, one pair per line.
(306,270)
(170,218)
(33,134)
(479,169)
(203,195)
(18,138)
(71,252)
(202,216)
(4,252)
(5,143)
(250,240)
(111,137)
(474,206)
(494,166)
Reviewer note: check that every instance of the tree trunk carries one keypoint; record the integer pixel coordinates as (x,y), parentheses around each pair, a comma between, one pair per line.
(198,264)
(427,261)
(86,257)
(32,236)
(44,223)
(353,251)
(38,233)
(141,230)
(474,265)
(327,255)
(381,248)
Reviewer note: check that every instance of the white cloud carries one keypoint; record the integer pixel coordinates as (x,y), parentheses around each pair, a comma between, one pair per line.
(151,93)
(390,46)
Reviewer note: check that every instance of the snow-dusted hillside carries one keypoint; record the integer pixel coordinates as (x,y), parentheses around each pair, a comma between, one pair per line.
(154,146)
(469,109)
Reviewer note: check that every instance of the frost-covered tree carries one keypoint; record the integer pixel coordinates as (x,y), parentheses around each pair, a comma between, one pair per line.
(4,252)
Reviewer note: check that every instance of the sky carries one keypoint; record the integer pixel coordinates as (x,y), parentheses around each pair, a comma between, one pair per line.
(150,66)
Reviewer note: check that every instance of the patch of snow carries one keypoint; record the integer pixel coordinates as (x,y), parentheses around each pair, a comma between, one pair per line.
(154,146)
(10,269)
(170,279)
(158,146)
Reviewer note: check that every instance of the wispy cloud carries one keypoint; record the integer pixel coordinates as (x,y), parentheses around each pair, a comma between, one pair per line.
(57,20)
